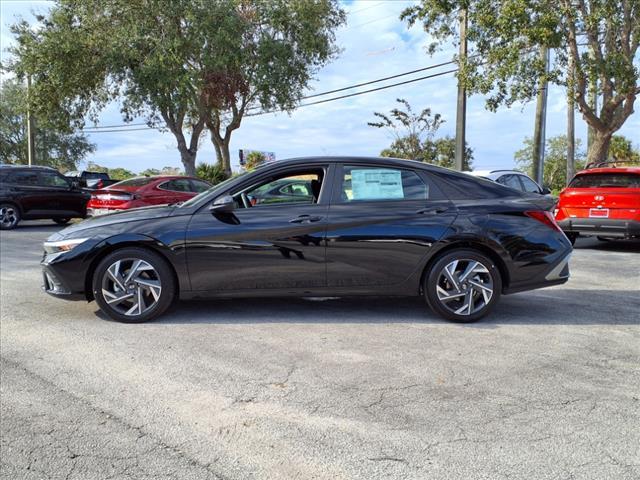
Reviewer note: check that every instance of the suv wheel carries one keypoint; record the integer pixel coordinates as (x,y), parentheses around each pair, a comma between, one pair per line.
(9,216)
(134,285)
(463,286)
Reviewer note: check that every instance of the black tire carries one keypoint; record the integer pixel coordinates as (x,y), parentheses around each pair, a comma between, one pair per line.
(487,278)
(606,239)
(161,271)
(572,237)
(9,216)
(62,221)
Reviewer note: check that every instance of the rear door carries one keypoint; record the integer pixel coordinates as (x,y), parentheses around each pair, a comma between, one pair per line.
(382,223)
(60,198)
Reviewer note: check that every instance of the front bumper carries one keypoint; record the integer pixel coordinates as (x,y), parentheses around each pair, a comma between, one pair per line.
(606,227)
(55,286)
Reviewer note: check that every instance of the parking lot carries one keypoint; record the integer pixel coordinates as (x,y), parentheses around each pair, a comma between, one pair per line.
(547,387)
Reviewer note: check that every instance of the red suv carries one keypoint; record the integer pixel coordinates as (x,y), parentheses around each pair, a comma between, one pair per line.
(144,192)
(603,201)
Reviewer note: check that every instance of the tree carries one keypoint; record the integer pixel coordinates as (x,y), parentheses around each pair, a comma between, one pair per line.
(58,148)
(413,134)
(555,163)
(181,64)
(506,37)
(622,149)
(254,160)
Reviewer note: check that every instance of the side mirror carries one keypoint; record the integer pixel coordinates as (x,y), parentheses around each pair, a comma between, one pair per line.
(224,204)
(545,191)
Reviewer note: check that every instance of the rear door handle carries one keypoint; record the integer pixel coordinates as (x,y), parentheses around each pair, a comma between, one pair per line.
(432,211)
(305,219)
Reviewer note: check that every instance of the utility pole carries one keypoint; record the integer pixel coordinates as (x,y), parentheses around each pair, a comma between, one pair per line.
(571,121)
(31,152)
(540,122)
(461,113)
(593,102)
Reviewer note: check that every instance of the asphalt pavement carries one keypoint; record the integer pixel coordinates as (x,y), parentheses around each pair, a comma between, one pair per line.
(547,387)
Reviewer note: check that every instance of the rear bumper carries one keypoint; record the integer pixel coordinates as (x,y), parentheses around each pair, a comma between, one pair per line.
(556,275)
(608,227)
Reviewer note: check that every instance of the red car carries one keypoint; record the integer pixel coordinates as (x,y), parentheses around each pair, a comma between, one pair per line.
(144,192)
(603,202)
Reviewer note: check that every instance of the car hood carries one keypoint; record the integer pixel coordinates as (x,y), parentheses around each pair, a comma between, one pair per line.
(122,216)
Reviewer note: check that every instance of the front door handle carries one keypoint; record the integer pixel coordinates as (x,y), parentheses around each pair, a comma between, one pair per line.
(305,219)
(432,211)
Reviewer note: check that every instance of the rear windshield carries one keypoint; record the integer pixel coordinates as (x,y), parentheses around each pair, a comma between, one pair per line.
(606,180)
(135,182)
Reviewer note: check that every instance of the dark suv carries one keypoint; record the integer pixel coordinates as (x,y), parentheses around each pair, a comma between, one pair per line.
(31,193)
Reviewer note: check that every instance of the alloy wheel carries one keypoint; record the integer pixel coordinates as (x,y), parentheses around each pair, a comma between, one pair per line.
(464,286)
(8,216)
(131,286)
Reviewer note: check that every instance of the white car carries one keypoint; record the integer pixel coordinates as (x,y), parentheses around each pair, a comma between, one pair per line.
(513,179)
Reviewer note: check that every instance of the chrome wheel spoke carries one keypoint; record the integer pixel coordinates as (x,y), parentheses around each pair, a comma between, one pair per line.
(464,286)
(131,286)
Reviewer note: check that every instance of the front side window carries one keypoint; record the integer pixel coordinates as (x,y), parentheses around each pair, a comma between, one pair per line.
(381,183)
(293,188)
(52,179)
(510,181)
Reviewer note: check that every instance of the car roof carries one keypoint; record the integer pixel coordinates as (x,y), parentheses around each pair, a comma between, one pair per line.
(400,162)
(610,170)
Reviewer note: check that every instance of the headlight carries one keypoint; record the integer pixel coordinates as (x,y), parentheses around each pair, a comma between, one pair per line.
(63,245)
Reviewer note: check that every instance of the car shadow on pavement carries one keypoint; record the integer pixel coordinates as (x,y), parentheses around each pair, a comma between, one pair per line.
(610,245)
(544,307)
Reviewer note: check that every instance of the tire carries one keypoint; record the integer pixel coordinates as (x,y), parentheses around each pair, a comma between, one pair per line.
(572,237)
(474,293)
(9,216)
(62,221)
(111,281)
(606,239)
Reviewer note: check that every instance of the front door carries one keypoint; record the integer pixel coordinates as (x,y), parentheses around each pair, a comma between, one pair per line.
(382,223)
(274,239)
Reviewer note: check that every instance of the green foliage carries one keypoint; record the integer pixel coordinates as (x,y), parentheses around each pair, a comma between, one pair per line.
(254,160)
(150,172)
(60,148)
(183,63)
(413,134)
(555,160)
(120,173)
(212,173)
(621,148)
(504,44)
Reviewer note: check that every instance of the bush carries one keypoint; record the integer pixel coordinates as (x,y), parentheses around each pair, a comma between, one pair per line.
(213,174)
(254,160)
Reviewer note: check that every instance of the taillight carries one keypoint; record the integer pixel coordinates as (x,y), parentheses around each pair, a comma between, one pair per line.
(99,184)
(122,197)
(545,217)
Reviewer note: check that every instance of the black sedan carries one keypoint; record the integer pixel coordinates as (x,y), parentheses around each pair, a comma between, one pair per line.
(373,226)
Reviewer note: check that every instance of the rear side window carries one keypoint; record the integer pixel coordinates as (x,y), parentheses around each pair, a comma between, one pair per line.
(361,183)
(24,178)
(135,182)
(463,187)
(198,186)
(177,185)
(606,180)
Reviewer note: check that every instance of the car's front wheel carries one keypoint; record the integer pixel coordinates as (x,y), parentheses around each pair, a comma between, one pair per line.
(9,216)
(134,285)
(463,285)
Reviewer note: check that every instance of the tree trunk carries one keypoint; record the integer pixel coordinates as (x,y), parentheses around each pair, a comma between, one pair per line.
(599,148)
(539,141)
(226,157)
(571,122)
(188,160)
(218,151)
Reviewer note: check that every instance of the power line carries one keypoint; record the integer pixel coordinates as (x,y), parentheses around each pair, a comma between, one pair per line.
(306,97)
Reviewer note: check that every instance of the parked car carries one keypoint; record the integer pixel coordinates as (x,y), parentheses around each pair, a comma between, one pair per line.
(144,192)
(512,179)
(32,193)
(602,201)
(91,180)
(376,226)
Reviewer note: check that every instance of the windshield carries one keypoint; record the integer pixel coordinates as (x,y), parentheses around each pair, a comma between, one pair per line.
(201,195)
(606,180)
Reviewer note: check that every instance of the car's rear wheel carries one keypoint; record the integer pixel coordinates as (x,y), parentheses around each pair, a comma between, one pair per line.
(463,285)
(572,237)
(134,285)
(9,216)
(62,221)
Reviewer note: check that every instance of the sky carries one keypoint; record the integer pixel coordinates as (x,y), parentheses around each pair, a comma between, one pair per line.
(375,44)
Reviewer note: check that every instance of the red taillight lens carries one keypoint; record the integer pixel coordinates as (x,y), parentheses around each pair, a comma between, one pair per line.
(545,217)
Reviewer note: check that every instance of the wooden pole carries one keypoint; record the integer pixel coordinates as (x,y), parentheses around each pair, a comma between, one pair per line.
(461,112)
(540,122)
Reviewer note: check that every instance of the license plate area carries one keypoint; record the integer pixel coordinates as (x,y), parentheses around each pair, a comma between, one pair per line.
(599,212)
